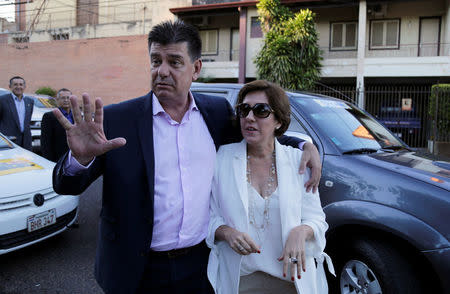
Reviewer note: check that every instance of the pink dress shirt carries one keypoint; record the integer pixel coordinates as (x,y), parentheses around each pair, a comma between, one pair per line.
(184,165)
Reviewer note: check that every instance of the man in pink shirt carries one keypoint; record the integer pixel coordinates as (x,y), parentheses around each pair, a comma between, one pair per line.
(156,154)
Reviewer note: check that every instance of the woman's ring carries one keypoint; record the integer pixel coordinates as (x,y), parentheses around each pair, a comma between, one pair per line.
(293,260)
(240,248)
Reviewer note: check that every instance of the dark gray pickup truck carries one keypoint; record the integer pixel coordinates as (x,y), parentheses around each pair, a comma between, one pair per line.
(387,206)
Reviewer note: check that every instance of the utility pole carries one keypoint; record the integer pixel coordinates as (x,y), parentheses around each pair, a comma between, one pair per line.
(361,52)
(36,18)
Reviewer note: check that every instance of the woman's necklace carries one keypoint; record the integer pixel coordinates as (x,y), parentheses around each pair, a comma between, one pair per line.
(266,193)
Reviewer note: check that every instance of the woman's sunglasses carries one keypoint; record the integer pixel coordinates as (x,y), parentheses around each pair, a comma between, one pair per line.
(261,110)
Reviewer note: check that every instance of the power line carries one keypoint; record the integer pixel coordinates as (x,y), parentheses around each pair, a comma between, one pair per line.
(64,5)
(115,4)
(36,18)
(13,3)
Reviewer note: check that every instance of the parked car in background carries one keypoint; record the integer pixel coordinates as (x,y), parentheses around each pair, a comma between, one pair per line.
(30,211)
(387,206)
(42,104)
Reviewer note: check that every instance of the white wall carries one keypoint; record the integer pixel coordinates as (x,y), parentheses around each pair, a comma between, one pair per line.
(401,62)
(62,13)
(253,44)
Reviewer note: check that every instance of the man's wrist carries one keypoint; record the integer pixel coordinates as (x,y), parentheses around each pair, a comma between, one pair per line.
(83,160)
(72,167)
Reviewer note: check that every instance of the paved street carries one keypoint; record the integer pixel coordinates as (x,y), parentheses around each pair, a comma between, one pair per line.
(62,264)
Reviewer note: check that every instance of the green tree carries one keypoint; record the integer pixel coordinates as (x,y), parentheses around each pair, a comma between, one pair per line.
(49,91)
(290,55)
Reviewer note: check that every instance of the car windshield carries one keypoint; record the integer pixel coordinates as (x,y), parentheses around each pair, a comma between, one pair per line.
(44,102)
(4,144)
(349,128)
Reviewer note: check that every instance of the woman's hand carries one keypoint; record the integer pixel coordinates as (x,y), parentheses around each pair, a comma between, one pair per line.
(240,242)
(295,249)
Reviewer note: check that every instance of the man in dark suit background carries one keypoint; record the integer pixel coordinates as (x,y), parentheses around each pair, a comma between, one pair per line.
(15,113)
(156,186)
(53,135)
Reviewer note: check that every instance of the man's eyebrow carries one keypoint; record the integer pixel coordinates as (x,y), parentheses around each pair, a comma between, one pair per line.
(179,56)
(175,56)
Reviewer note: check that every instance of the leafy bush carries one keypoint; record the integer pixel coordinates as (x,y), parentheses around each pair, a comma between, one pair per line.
(46,91)
(441,116)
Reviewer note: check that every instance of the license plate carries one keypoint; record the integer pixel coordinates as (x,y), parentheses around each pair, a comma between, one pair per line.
(40,220)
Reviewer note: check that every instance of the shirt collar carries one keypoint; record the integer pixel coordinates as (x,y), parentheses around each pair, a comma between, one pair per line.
(17,98)
(157,108)
(65,112)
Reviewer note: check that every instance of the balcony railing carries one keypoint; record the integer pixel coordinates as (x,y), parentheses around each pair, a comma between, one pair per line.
(404,50)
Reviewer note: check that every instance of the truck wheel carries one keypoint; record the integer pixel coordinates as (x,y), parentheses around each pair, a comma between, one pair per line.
(369,266)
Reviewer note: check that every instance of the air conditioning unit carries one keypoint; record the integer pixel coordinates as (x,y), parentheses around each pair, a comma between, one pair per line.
(379,10)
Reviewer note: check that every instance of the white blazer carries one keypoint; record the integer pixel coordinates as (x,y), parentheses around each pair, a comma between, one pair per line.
(229,206)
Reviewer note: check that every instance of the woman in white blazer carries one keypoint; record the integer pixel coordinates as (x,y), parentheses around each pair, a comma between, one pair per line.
(265,229)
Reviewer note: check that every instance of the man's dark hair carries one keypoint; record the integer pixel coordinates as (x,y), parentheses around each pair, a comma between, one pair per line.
(16,77)
(171,32)
(62,89)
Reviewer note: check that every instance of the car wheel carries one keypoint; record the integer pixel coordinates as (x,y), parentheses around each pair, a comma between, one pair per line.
(369,266)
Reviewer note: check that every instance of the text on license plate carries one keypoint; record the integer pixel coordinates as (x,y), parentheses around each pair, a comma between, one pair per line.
(40,220)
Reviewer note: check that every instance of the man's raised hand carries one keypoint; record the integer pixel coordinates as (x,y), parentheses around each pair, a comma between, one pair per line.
(85,137)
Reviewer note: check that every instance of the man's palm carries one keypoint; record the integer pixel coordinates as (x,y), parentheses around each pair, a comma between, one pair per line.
(86,138)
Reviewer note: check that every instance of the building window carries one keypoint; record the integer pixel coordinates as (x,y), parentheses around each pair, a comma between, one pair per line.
(60,36)
(255,28)
(209,41)
(87,12)
(344,36)
(384,34)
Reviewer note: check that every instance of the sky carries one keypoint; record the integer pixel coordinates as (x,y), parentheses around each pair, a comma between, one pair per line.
(7,9)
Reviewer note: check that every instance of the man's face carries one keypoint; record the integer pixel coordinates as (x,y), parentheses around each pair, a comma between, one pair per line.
(62,100)
(17,86)
(172,70)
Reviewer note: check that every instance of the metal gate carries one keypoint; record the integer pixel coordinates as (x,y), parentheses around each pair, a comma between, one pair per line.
(404,109)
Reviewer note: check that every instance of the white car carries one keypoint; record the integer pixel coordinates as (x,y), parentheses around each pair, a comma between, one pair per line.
(30,211)
(42,104)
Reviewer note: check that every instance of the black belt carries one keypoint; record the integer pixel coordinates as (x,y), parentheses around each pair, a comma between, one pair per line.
(176,252)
